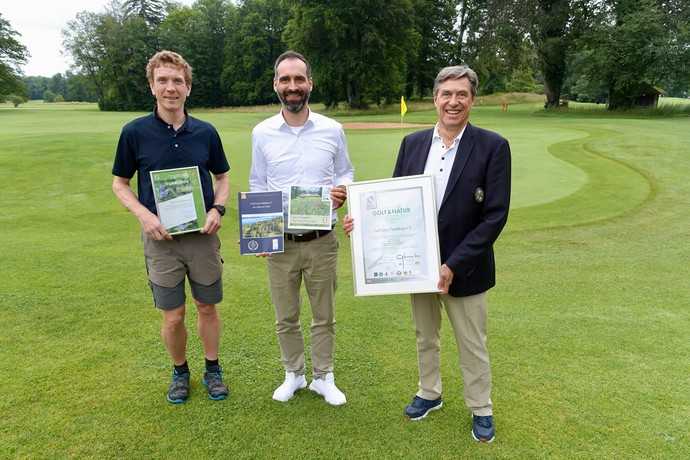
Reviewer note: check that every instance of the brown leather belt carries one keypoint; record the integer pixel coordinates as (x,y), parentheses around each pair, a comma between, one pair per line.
(304,237)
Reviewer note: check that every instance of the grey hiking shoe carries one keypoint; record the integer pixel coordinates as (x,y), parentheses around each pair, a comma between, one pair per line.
(213,381)
(178,391)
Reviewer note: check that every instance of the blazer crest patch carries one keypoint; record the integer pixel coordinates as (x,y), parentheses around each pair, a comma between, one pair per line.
(479,195)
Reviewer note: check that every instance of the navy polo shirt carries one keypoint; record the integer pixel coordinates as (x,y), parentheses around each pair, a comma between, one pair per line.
(150,144)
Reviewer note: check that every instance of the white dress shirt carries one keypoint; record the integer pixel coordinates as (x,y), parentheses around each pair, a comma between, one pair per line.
(440,162)
(314,155)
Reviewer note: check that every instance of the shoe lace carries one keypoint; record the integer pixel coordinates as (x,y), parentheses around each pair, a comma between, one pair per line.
(179,382)
(484,421)
(214,379)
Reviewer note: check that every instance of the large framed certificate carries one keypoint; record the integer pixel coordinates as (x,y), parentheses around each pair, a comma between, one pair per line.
(394,242)
(310,207)
(261,222)
(179,199)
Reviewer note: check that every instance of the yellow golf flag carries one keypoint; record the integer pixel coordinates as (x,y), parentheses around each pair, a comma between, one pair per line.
(403,106)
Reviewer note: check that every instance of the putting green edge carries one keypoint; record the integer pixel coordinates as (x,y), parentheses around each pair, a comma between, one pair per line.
(614,188)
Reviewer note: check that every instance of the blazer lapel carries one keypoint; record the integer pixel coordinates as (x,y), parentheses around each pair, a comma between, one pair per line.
(463,153)
(420,161)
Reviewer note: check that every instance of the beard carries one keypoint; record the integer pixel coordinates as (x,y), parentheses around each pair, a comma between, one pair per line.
(294,106)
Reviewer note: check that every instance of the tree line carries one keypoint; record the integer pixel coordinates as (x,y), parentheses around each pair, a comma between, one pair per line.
(366,52)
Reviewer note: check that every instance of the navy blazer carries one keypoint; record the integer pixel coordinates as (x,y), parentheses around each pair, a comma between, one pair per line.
(474,209)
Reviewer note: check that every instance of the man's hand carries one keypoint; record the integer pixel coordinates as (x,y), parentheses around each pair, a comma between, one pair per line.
(338,196)
(348,225)
(212,224)
(151,225)
(445,278)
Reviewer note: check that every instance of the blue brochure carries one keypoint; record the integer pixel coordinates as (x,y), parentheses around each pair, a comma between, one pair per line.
(261,222)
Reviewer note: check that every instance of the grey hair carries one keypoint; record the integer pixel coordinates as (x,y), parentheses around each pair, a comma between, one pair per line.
(456,72)
(291,55)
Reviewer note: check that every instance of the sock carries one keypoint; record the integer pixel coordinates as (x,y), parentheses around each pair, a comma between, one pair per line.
(182,368)
(212,365)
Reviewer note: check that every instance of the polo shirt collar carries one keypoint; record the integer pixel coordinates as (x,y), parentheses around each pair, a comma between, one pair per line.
(188,124)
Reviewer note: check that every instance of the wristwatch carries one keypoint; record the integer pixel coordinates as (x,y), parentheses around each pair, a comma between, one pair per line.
(220,208)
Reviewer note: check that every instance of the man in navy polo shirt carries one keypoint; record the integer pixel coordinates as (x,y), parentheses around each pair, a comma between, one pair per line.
(170,138)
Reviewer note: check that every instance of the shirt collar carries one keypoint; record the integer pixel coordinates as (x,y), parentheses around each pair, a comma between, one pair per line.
(188,124)
(437,135)
(278,121)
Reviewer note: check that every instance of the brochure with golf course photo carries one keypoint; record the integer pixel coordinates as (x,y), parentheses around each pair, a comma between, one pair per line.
(261,222)
(310,207)
(179,199)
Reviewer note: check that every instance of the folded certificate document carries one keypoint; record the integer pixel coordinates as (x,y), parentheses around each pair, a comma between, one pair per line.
(261,222)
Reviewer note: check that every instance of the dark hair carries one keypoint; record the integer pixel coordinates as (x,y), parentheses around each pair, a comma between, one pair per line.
(289,54)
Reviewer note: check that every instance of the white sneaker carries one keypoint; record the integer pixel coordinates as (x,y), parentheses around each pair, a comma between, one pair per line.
(287,389)
(326,388)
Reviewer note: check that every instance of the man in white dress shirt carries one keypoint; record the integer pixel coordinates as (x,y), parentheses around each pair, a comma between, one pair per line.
(300,147)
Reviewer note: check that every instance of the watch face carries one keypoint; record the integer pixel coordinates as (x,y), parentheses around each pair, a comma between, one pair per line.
(220,209)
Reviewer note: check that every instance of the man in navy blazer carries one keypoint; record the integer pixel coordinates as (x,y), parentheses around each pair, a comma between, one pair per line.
(471,170)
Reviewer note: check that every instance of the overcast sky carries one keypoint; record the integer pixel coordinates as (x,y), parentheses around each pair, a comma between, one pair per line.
(40,24)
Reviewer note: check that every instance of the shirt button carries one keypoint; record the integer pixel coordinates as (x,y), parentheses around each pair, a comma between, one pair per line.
(443,158)
(176,145)
(441,169)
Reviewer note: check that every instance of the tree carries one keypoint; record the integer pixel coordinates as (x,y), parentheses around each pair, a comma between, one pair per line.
(16,100)
(151,11)
(112,50)
(35,86)
(637,45)
(49,96)
(431,46)
(82,39)
(358,48)
(493,38)
(12,55)
(552,42)
(198,34)
(254,41)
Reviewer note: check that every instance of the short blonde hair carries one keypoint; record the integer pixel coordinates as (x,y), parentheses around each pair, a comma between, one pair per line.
(166,57)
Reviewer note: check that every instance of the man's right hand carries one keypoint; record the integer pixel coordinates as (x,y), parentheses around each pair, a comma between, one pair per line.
(348,225)
(152,227)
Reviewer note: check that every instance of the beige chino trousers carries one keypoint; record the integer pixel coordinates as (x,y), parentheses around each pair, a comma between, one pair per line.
(314,262)
(467,317)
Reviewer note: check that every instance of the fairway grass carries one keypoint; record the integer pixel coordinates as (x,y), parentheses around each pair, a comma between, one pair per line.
(588,325)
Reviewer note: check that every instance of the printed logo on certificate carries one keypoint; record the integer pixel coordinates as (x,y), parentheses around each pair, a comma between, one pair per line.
(310,207)
(395,239)
(179,199)
(261,222)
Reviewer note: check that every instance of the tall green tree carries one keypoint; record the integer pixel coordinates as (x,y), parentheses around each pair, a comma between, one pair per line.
(636,46)
(431,47)
(254,41)
(358,48)
(198,33)
(112,50)
(12,55)
(492,37)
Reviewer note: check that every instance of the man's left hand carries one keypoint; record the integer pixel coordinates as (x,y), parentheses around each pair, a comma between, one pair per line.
(445,279)
(338,196)
(212,222)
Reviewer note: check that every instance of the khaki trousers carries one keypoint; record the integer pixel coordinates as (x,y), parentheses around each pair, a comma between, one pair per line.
(314,261)
(468,319)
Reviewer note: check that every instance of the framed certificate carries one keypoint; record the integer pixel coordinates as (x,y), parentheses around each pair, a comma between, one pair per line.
(179,199)
(310,207)
(261,222)
(394,242)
